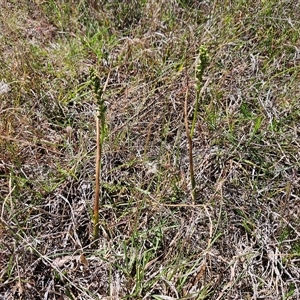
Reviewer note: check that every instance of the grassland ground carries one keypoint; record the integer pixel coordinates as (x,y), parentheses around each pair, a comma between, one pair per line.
(238,239)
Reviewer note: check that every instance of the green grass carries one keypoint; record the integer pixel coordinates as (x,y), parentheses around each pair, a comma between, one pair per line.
(239,237)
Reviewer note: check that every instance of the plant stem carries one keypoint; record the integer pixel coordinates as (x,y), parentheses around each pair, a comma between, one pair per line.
(190,144)
(200,67)
(97,184)
(100,135)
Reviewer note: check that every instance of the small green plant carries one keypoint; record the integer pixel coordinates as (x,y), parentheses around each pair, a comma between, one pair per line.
(100,136)
(201,64)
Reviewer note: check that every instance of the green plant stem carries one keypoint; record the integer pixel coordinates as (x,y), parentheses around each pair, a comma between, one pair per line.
(100,135)
(190,144)
(97,184)
(200,67)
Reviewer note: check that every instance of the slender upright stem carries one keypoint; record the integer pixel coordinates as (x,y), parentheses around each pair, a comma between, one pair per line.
(201,63)
(190,145)
(97,184)
(100,135)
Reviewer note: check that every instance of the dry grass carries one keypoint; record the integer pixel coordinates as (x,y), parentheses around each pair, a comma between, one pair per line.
(239,240)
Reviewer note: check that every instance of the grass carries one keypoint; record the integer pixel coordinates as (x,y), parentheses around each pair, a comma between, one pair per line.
(233,233)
